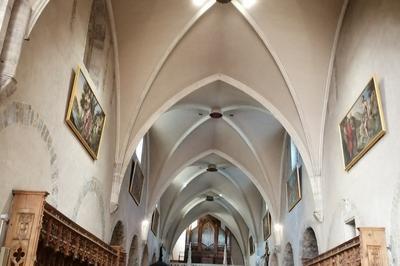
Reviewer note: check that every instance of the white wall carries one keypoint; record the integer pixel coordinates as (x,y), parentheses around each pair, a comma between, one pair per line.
(369,45)
(38,149)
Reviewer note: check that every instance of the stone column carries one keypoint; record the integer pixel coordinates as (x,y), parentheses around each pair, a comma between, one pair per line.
(25,224)
(12,47)
(5,14)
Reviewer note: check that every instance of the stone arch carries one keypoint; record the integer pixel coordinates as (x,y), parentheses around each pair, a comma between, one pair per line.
(274,260)
(133,259)
(23,114)
(118,235)
(309,245)
(288,255)
(93,186)
(145,256)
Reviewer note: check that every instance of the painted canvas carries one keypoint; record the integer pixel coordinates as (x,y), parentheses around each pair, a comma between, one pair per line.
(363,125)
(154,221)
(293,188)
(85,116)
(136,183)
(267,225)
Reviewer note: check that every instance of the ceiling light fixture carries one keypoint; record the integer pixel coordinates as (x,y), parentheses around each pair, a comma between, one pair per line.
(216,113)
(212,168)
(198,2)
(248,3)
(223,1)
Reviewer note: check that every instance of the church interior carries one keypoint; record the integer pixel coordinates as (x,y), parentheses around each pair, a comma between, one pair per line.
(199,132)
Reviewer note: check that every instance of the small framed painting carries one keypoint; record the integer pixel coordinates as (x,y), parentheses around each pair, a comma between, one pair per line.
(136,182)
(363,125)
(293,188)
(154,221)
(251,245)
(267,225)
(85,116)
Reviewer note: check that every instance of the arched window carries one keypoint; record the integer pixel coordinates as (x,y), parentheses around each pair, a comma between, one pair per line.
(294,156)
(139,151)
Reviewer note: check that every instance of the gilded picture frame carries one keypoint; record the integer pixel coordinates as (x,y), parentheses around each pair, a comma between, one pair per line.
(267,225)
(155,219)
(293,188)
(363,125)
(136,182)
(85,116)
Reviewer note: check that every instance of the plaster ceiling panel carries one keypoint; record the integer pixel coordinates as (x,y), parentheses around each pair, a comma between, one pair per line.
(221,42)
(266,136)
(212,184)
(167,132)
(200,143)
(145,29)
(302,33)
(219,94)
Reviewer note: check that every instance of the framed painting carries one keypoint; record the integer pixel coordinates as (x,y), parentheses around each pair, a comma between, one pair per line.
(154,221)
(267,225)
(136,182)
(85,116)
(363,125)
(293,188)
(251,245)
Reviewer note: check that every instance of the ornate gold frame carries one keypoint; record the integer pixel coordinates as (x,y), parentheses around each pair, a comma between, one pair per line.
(376,138)
(298,177)
(81,69)
(269,224)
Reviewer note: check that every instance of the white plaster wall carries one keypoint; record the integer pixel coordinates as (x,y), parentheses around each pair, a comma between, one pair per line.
(44,80)
(369,44)
(132,216)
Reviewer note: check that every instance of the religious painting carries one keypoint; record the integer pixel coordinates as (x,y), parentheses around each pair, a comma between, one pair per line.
(363,125)
(136,182)
(293,188)
(251,245)
(154,222)
(267,225)
(85,116)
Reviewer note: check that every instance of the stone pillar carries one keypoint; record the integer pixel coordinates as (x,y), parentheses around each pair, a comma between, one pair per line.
(116,186)
(5,14)
(25,224)
(12,47)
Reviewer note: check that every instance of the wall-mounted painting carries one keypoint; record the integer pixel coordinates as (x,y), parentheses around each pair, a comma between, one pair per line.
(363,125)
(293,188)
(251,245)
(267,225)
(136,182)
(85,116)
(154,222)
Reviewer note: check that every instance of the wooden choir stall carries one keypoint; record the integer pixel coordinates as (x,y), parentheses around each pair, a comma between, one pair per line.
(367,249)
(38,234)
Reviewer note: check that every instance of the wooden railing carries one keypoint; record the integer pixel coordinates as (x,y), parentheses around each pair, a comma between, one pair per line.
(64,236)
(40,235)
(367,249)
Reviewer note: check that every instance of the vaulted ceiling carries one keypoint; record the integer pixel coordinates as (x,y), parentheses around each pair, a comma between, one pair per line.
(266,68)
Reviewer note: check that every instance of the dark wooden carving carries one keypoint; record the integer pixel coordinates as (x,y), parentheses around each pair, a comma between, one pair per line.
(61,237)
(367,249)
(40,235)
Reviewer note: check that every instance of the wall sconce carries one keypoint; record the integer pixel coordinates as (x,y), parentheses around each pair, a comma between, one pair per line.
(145,230)
(278,234)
